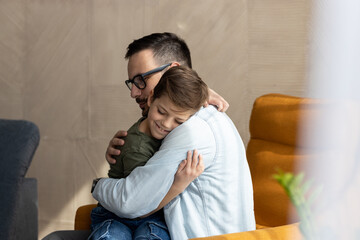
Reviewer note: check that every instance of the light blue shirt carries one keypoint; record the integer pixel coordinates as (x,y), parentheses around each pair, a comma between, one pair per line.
(219,201)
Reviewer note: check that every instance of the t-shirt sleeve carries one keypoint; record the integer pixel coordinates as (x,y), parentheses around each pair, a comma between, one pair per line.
(129,161)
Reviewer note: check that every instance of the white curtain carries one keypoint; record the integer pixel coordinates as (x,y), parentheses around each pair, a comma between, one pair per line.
(334,75)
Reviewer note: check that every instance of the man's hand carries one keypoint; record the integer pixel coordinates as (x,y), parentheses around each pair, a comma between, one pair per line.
(188,170)
(111,150)
(217,100)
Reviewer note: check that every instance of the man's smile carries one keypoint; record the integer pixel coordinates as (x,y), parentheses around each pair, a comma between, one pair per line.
(141,102)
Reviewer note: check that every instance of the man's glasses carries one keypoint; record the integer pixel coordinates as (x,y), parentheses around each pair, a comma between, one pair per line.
(139,80)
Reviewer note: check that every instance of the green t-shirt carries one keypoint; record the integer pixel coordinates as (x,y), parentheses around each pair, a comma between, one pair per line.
(136,151)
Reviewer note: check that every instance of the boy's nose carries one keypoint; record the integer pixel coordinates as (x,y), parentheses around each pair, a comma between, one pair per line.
(167,124)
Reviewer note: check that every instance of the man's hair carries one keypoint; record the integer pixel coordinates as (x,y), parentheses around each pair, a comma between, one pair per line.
(166,47)
(184,88)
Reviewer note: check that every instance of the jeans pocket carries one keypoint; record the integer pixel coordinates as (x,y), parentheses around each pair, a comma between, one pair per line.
(152,230)
(100,230)
(100,214)
(158,230)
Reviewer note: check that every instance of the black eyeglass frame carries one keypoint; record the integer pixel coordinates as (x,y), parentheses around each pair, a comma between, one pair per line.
(142,76)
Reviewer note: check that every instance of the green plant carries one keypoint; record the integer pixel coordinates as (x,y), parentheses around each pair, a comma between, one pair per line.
(302,198)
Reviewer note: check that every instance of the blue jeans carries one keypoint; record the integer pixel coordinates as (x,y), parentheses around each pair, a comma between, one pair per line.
(106,225)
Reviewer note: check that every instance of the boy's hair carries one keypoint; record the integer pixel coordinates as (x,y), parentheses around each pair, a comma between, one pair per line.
(184,88)
(166,47)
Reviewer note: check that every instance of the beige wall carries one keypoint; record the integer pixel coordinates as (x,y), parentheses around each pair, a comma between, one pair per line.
(62,67)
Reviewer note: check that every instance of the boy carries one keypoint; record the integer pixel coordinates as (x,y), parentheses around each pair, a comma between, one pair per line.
(178,95)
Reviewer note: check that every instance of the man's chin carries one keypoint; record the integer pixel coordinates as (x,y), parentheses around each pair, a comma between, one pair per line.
(145,111)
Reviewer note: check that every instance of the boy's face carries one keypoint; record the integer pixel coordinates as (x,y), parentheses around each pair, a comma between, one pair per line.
(164,116)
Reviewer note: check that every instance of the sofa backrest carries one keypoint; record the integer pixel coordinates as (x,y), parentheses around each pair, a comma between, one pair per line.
(19,140)
(277,124)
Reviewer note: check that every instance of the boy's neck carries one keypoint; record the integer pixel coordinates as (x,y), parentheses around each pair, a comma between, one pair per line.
(144,127)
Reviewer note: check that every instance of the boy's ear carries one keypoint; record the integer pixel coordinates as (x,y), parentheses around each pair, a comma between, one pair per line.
(150,98)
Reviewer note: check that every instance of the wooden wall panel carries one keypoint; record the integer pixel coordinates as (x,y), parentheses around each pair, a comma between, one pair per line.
(62,66)
(12,42)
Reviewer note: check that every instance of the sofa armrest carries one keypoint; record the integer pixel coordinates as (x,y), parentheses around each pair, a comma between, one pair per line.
(26,212)
(285,232)
(82,217)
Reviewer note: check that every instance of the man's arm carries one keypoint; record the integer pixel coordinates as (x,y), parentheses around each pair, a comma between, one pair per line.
(188,170)
(216,100)
(111,149)
(144,189)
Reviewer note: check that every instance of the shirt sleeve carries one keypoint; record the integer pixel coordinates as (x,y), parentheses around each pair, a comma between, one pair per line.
(142,191)
(127,163)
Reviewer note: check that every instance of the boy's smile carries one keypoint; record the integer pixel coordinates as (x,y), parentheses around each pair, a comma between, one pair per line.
(163,117)
(161,129)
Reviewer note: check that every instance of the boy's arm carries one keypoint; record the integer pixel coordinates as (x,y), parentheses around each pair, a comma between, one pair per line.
(130,160)
(144,189)
(188,171)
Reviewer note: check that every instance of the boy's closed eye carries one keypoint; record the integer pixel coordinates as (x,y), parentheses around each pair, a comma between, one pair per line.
(179,122)
(160,111)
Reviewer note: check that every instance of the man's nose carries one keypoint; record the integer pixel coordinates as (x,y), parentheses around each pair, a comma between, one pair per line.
(135,92)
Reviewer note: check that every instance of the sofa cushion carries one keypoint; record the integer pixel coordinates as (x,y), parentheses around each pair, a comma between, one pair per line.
(277,125)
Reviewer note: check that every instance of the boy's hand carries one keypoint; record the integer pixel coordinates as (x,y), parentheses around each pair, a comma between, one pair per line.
(188,170)
(217,100)
(111,150)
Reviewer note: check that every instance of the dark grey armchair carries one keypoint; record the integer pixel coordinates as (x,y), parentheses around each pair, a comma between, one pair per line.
(18,195)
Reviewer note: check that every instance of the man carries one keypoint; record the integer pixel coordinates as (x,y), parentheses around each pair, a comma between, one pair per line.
(220,200)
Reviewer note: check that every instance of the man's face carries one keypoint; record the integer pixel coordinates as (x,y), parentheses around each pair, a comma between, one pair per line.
(140,63)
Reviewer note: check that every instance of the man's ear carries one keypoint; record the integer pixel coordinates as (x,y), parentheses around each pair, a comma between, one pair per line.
(150,98)
(174,64)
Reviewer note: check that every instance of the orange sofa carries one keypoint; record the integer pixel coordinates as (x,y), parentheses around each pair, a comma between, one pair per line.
(275,123)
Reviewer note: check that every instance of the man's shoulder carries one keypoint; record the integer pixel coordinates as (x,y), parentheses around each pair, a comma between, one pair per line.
(197,124)
(194,131)
(202,122)
(210,113)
